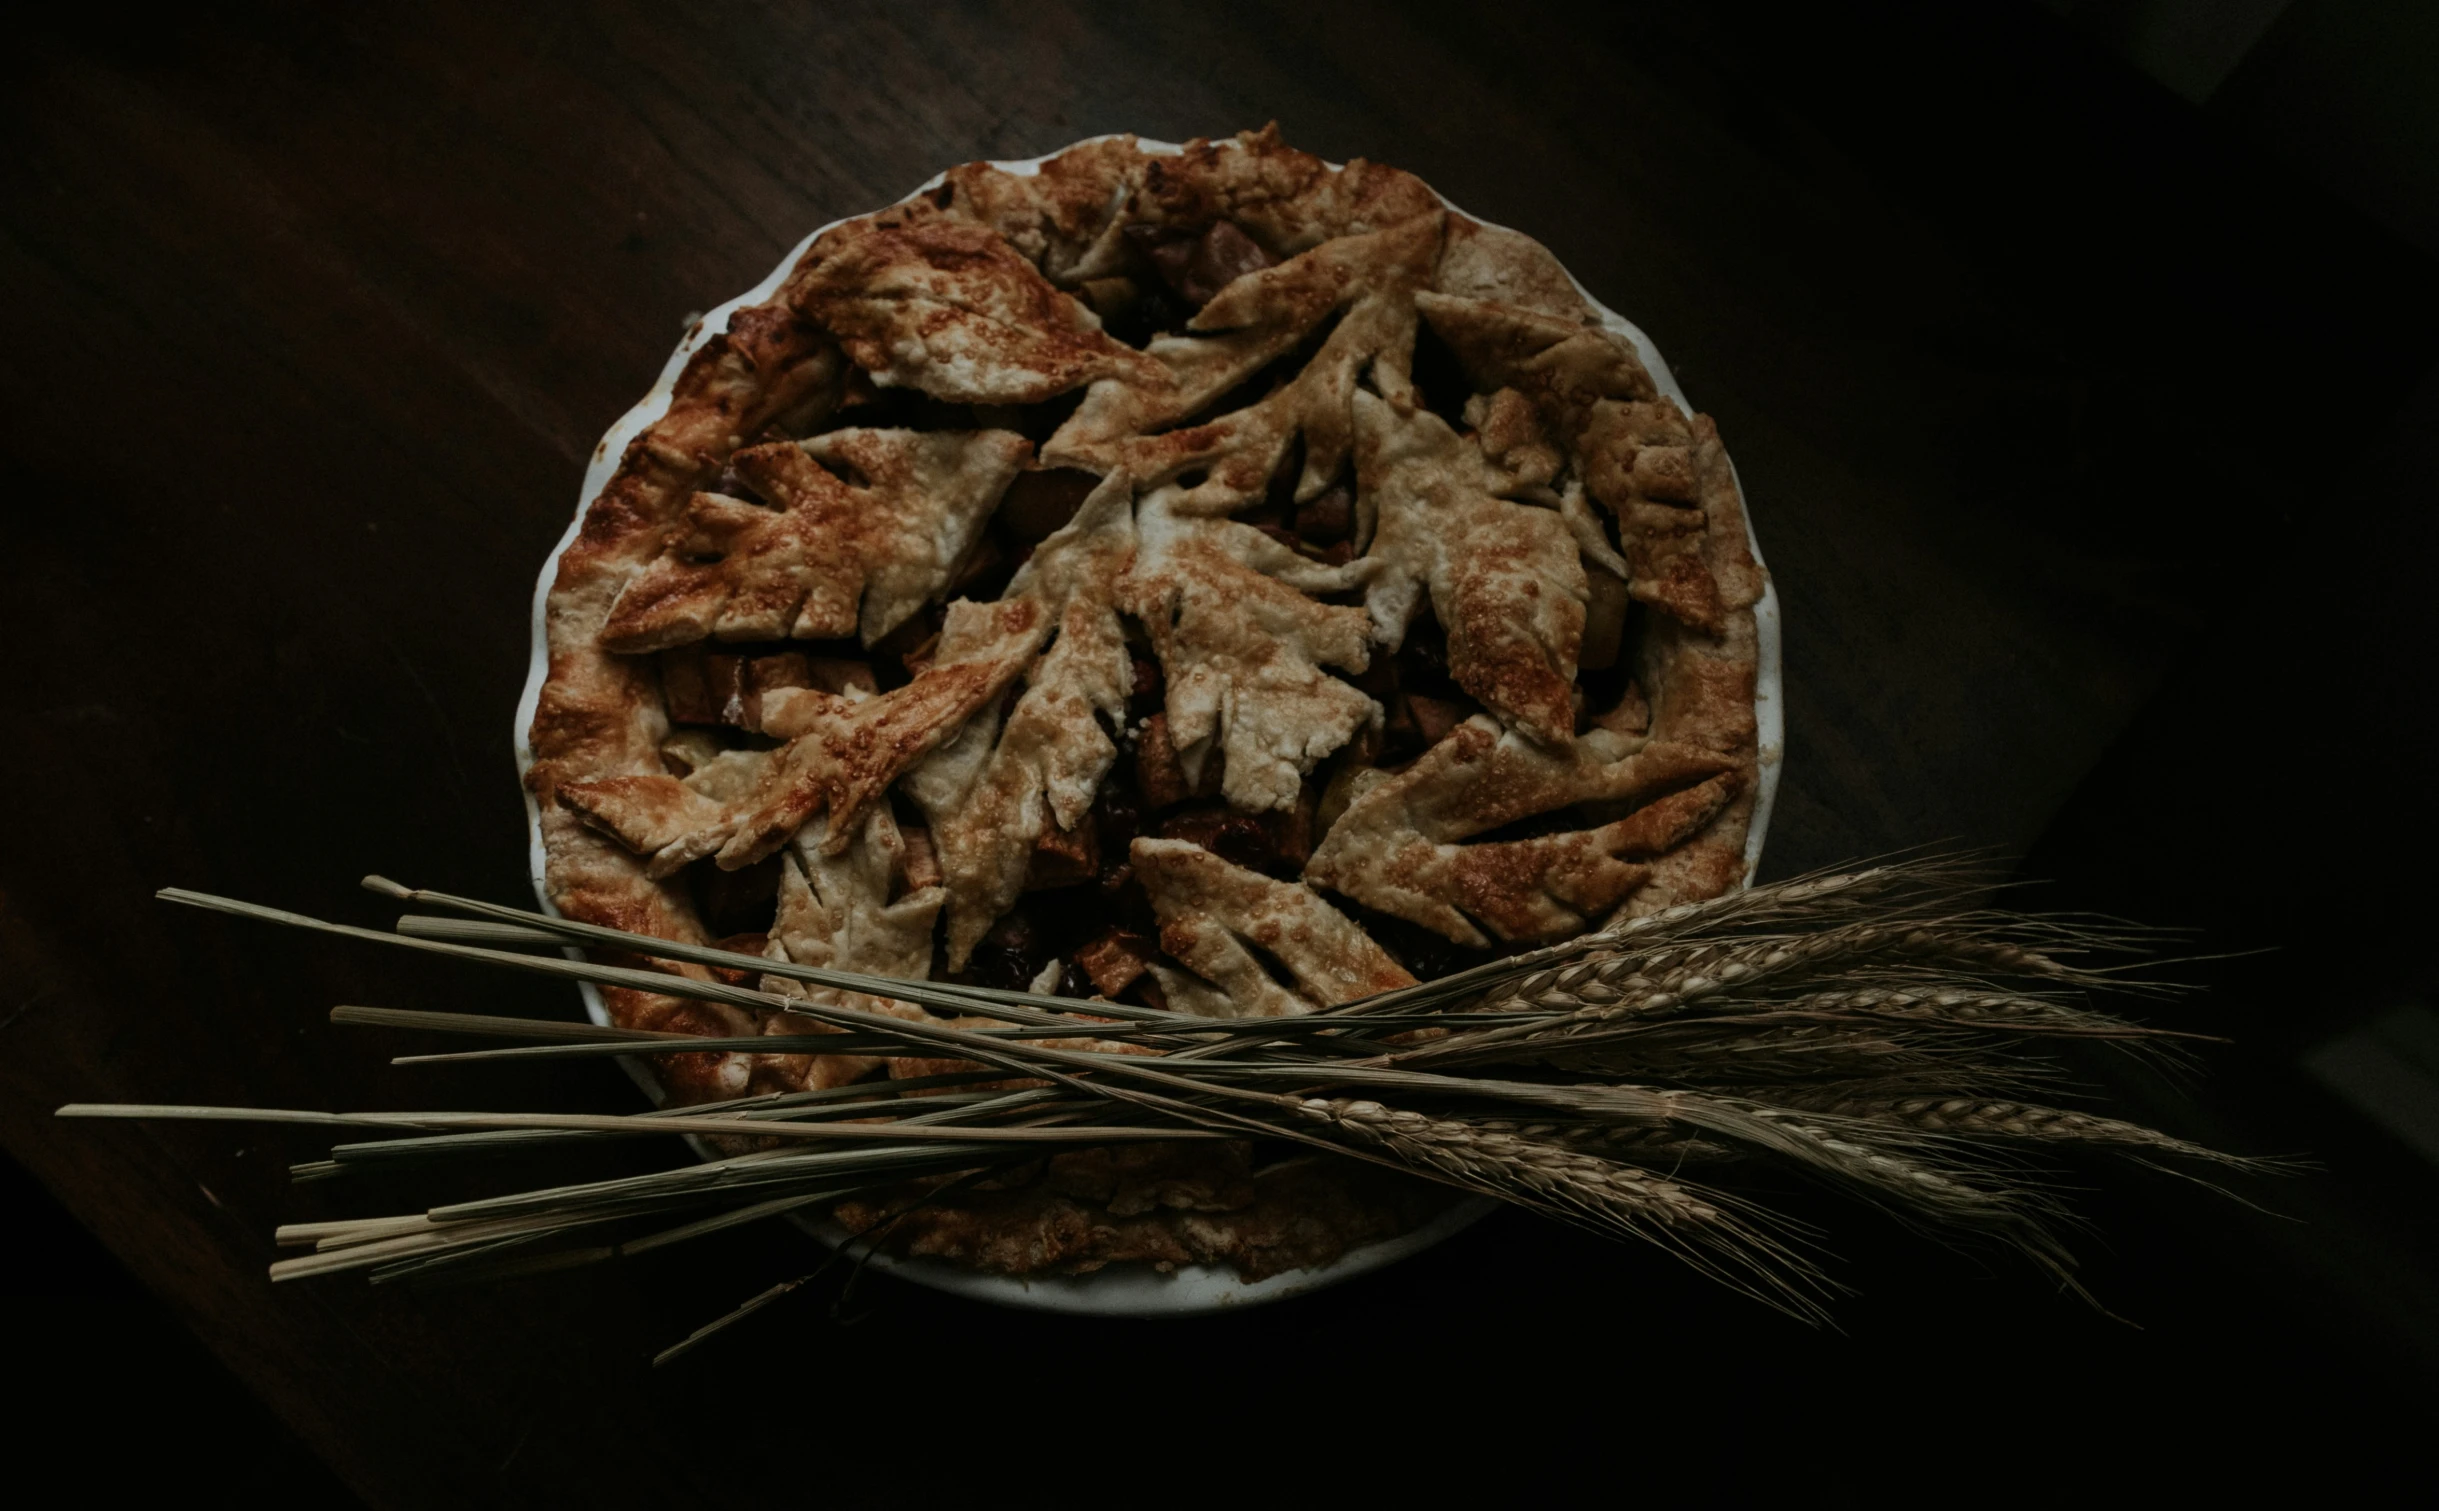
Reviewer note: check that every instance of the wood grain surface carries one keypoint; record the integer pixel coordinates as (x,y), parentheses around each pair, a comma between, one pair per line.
(314,312)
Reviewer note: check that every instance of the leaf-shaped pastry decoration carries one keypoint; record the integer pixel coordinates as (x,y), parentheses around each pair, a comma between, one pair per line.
(672,820)
(841,754)
(1266,303)
(1702,689)
(1255,320)
(1563,365)
(1214,915)
(595,880)
(1495,263)
(1063,216)
(991,792)
(1525,462)
(833,558)
(1243,648)
(834,911)
(946,306)
(1399,846)
(1290,199)
(1505,578)
(1668,482)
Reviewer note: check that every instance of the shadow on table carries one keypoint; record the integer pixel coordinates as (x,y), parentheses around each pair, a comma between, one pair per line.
(87,1346)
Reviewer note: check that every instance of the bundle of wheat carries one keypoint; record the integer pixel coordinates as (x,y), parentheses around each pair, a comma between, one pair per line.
(1875,1029)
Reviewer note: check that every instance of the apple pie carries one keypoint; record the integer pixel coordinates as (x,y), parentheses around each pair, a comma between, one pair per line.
(1210,579)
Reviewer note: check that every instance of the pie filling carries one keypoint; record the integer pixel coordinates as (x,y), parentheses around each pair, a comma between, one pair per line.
(1220,582)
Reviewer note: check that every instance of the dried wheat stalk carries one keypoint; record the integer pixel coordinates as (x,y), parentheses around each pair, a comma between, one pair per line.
(1874,1029)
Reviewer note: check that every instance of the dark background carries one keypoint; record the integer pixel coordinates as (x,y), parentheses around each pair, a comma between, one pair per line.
(2076,358)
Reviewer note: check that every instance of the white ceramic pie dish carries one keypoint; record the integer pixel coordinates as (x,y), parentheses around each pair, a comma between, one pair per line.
(1123,1290)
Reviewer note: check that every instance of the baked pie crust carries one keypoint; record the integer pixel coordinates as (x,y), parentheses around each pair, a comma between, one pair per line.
(1210,577)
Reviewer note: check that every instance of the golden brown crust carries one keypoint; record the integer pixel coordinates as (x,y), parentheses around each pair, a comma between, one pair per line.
(1703,689)
(1399,847)
(1494,263)
(994,791)
(1008,727)
(828,558)
(841,754)
(1286,199)
(1064,218)
(1213,915)
(835,911)
(1562,365)
(1244,649)
(1300,1215)
(1371,278)
(948,307)
(599,714)
(1506,579)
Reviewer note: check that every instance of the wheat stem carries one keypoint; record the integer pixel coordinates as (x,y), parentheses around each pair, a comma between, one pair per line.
(1867,1027)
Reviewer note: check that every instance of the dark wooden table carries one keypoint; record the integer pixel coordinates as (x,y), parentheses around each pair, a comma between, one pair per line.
(2045,399)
